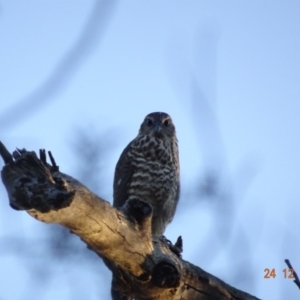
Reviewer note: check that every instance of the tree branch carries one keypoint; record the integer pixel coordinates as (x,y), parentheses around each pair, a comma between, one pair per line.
(295,275)
(146,266)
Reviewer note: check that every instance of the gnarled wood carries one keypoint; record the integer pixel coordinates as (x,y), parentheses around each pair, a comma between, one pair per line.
(147,267)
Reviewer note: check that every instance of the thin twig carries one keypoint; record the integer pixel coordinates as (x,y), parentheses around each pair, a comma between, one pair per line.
(297,281)
(4,153)
(54,165)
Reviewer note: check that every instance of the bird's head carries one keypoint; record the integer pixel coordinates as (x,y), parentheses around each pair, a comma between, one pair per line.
(158,124)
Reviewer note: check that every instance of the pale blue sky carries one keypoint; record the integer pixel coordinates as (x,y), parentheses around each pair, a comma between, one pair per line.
(228,72)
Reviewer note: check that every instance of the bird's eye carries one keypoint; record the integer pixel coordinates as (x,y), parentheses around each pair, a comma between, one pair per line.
(166,122)
(149,122)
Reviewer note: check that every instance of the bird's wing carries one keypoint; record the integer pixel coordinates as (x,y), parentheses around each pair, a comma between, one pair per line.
(123,175)
(170,206)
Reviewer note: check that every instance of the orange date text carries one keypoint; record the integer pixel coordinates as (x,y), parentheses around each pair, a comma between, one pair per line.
(271,273)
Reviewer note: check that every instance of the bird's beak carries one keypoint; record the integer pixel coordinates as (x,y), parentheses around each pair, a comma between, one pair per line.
(157,128)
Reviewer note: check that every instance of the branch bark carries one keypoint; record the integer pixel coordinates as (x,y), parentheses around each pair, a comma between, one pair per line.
(147,267)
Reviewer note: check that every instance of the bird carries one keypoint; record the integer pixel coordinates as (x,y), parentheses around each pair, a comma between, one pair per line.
(148,169)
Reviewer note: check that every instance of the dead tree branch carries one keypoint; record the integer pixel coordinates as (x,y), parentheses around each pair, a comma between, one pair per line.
(295,275)
(147,267)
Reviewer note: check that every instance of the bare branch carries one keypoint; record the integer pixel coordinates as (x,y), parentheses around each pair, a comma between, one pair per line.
(296,280)
(146,266)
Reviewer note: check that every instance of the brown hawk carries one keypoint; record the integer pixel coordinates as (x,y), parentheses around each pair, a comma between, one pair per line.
(148,169)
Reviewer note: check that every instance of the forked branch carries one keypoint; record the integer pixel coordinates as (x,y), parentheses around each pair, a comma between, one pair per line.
(147,267)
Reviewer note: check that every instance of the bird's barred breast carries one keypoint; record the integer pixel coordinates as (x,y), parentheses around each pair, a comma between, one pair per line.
(154,176)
